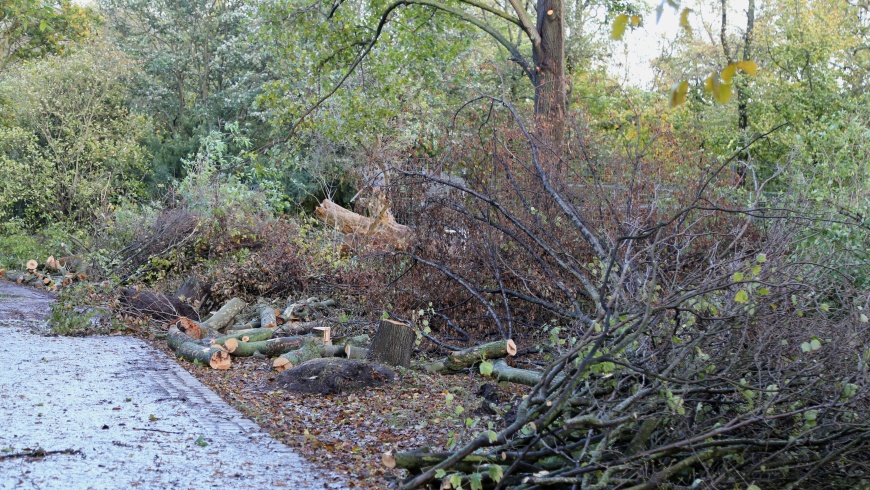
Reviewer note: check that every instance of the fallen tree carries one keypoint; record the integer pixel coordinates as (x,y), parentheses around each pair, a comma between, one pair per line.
(467,358)
(359,229)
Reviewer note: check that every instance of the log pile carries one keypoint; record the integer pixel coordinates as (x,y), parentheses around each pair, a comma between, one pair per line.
(52,275)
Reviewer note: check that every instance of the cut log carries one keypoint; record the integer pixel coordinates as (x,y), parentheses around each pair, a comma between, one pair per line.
(223,318)
(186,348)
(52,263)
(359,341)
(268,348)
(297,328)
(268,317)
(353,352)
(408,459)
(331,350)
(502,372)
(15,276)
(191,328)
(310,349)
(464,359)
(253,335)
(382,230)
(304,310)
(393,344)
(32,265)
(158,306)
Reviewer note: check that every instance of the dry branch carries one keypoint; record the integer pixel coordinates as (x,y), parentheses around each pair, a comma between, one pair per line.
(359,229)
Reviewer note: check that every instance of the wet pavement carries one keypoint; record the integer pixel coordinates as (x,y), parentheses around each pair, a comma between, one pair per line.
(112,412)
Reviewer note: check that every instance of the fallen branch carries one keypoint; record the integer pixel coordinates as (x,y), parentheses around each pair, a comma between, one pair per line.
(187,348)
(223,318)
(39,453)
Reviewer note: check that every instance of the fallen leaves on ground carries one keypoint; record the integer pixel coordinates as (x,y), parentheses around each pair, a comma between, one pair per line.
(345,435)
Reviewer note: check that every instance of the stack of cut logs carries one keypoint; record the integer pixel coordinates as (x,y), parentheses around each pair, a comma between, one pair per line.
(290,337)
(52,275)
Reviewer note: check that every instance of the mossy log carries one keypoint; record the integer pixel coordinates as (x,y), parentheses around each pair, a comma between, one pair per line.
(187,348)
(223,318)
(250,335)
(414,461)
(297,328)
(311,348)
(269,348)
(502,372)
(464,359)
(356,341)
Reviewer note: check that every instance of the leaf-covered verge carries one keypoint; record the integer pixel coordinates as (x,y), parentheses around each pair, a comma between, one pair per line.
(346,434)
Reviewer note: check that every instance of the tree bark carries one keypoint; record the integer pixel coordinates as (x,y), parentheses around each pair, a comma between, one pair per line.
(224,317)
(253,335)
(268,348)
(551,104)
(469,357)
(268,319)
(353,352)
(502,372)
(186,348)
(393,344)
(360,229)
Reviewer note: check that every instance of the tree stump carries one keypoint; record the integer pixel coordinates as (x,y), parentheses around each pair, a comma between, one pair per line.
(393,344)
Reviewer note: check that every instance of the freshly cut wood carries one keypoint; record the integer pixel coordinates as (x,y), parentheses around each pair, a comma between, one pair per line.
(502,372)
(392,459)
(253,335)
(268,317)
(268,348)
(52,263)
(158,306)
(191,328)
(464,359)
(32,265)
(224,317)
(187,348)
(393,344)
(327,332)
(381,230)
(353,352)
(15,276)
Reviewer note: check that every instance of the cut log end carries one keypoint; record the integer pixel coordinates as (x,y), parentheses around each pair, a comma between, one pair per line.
(220,360)
(511,348)
(389,459)
(231,345)
(281,363)
(32,264)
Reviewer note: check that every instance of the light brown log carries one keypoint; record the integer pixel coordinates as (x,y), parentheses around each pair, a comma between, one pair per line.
(268,317)
(469,357)
(52,263)
(327,332)
(353,352)
(383,230)
(32,265)
(223,318)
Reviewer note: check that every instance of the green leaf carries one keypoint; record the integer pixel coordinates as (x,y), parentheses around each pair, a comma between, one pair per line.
(815,344)
(761,258)
(849,390)
(753,487)
(678,93)
(492,436)
(619,26)
(763,291)
(440,474)
(741,297)
(201,442)
(456,480)
(825,307)
(475,481)
(863,318)
(806,347)
(496,473)
(737,277)
(486,368)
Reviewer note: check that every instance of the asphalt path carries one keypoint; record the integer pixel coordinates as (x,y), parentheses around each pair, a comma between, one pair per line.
(112,412)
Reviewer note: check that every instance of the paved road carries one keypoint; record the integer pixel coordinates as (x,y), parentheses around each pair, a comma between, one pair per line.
(129,416)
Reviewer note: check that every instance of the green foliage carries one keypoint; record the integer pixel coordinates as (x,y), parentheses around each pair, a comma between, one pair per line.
(18,245)
(74,148)
(35,28)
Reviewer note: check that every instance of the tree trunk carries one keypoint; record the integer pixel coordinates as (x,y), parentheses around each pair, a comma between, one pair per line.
(353,352)
(393,344)
(268,348)
(502,372)
(268,319)
(224,317)
(469,357)
(551,105)
(186,348)
(253,335)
